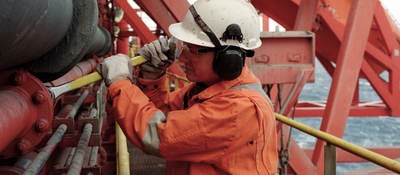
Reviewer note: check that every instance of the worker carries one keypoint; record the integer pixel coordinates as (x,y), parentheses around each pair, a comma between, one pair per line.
(222,123)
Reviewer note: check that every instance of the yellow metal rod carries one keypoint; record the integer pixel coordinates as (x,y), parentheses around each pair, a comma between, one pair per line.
(122,152)
(358,150)
(95,76)
(86,80)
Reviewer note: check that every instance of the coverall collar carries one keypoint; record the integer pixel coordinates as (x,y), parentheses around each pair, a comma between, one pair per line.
(245,77)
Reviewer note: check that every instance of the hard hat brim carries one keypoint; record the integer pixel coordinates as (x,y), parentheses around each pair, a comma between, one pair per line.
(179,31)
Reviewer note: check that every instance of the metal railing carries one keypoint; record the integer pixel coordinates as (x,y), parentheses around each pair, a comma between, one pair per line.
(376,158)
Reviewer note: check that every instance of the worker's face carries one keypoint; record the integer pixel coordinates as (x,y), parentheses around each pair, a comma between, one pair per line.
(197,64)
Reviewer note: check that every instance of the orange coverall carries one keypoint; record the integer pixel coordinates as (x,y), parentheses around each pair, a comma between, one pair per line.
(228,128)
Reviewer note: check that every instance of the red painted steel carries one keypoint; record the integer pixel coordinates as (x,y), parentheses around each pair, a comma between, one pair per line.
(265,23)
(284,53)
(345,76)
(177,8)
(79,70)
(123,41)
(26,114)
(306,15)
(27,108)
(164,12)
(329,33)
(136,23)
(13,124)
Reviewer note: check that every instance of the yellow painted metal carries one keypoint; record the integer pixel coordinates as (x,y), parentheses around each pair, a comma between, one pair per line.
(122,152)
(376,158)
(86,80)
(95,76)
(168,84)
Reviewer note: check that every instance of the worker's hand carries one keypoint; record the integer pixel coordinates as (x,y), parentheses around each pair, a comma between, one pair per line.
(116,67)
(160,54)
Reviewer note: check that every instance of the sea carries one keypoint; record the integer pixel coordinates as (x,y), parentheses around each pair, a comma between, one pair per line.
(380,131)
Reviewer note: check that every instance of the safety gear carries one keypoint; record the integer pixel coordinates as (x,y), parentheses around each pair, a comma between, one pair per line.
(160,54)
(231,44)
(218,15)
(116,67)
(228,128)
(228,62)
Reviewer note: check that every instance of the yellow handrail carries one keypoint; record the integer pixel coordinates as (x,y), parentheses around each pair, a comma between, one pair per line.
(357,150)
(122,152)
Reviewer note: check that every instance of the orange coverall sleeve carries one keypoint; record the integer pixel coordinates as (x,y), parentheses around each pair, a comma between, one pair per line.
(132,109)
(156,90)
(205,131)
(201,133)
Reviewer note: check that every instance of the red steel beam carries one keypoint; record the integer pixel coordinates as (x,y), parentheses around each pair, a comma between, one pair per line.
(329,32)
(346,73)
(306,14)
(377,56)
(386,31)
(164,12)
(136,22)
(304,20)
(177,11)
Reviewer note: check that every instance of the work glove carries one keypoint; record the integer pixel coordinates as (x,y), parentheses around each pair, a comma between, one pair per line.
(116,67)
(160,54)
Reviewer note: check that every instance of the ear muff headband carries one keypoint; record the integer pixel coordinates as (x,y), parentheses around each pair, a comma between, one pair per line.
(204,27)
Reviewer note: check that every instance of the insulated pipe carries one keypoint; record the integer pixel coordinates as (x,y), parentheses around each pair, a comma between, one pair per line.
(80,41)
(36,166)
(30,28)
(48,37)
(101,43)
(77,160)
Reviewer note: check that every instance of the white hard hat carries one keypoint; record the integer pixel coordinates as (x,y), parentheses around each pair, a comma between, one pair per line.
(218,15)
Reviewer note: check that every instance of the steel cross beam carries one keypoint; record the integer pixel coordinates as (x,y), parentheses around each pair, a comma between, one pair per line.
(376,60)
(164,12)
(345,77)
(330,31)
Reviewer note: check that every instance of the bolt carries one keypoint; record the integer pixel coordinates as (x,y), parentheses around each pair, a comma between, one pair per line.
(38,97)
(42,125)
(23,145)
(17,78)
(396,52)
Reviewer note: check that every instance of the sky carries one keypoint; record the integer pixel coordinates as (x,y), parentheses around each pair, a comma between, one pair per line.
(392,6)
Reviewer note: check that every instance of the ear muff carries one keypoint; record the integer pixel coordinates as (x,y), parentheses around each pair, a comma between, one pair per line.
(228,62)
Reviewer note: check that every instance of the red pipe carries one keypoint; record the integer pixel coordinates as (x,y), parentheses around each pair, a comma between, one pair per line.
(79,70)
(26,113)
(123,42)
(17,112)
